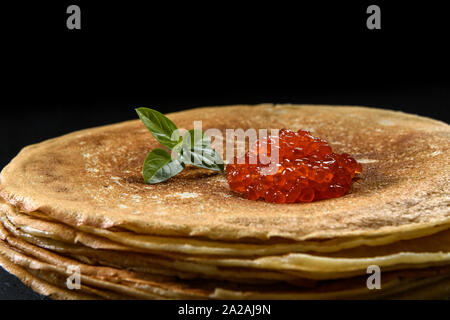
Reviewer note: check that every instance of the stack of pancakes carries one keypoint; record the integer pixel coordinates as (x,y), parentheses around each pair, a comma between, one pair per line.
(79,201)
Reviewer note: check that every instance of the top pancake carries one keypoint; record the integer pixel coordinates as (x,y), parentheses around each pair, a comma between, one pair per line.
(93,178)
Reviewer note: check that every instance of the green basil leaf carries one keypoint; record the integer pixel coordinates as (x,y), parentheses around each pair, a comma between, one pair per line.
(194,138)
(197,151)
(205,157)
(159,166)
(161,127)
(177,150)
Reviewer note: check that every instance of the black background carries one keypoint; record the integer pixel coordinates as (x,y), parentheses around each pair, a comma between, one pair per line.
(172,56)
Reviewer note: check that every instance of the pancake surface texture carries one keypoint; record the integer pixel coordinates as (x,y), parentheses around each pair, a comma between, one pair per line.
(93,177)
(82,196)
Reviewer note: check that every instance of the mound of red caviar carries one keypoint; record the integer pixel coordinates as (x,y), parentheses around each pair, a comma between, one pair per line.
(292,167)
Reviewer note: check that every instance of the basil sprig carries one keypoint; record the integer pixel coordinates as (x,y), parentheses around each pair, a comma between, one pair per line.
(194,148)
(159,166)
(161,127)
(197,151)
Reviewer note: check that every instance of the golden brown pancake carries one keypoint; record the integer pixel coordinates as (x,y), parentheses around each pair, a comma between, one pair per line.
(93,178)
(39,225)
(415,253)
(80,200)
(39,285)
(127,284)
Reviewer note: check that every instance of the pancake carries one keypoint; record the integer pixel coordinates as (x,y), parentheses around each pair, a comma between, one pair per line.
(125,284)
(93,178)
(147,263)
(43,287)
(434,290)
(38,224)
(430,250)
(80,200)
(426,251)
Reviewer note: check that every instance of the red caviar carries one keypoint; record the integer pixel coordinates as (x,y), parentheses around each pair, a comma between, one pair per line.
(306,170)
